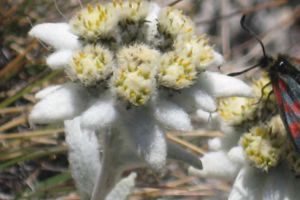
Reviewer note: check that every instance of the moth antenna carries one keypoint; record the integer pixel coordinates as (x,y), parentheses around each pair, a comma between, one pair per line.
(241,72)
(253,34)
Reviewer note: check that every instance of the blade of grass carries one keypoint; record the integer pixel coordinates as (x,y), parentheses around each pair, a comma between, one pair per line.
(13,123)
(27,89)
(16,65)
(30,134)
(53,184)
(38,154)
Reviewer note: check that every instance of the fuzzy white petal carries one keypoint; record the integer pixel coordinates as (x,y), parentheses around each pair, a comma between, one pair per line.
(217,165)
(172,116)
(100,115)
(46,91)
(57,35)
(223,86)
(64,103)
(214,144)
(146,137)
(276,184)
(83,156)
(205,101)
(218,59)
(59,59)
(248,185)
(237,155)
(123,188)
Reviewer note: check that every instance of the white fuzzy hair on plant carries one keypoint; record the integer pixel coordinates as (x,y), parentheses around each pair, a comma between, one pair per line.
(128,108)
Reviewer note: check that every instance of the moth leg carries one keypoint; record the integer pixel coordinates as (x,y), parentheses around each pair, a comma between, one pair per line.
(262,93)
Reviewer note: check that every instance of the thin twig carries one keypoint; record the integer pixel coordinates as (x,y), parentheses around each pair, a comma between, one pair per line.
(17,109)
(13,123)
(174,3)
(186,144)
(199,134)
(30,134)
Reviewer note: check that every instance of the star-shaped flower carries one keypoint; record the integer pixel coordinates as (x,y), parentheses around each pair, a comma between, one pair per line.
(136,71)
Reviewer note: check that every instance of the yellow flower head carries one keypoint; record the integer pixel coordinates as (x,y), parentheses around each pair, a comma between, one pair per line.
(95,21)
(173,22)
(132,10)
(176,71)
(240,110)
(91,65)
(134,79)
(198,50)
(264,145)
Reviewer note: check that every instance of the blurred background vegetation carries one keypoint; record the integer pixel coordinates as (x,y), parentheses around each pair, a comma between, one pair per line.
(33,161)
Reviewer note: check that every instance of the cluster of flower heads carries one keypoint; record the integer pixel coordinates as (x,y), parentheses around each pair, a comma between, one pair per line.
(124,47)
(265,141)
(120,52)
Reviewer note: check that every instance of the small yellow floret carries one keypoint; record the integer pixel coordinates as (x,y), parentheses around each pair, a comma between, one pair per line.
(95,21)
(134,79)
(176,71)
(132,10)
(198,50)
(265,145)
(240,110)
(174,22)
(91,65)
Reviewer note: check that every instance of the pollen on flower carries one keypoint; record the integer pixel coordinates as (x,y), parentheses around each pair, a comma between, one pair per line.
(235,110)
(176,71)
(132,10)
(264,145)
(95,21)
(91,65)
(173,22)
(240,111)
(198,49)
(134,79)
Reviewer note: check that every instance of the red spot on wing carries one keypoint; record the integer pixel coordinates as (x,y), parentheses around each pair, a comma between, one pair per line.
(282,85)
(295,129)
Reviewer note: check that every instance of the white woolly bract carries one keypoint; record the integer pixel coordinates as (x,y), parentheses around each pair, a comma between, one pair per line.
(46,91)
(172,116)
(205,101)
(123,188)
(214,144)
(63,103)
(236,154)
(146,137)
(59,59)
(223,86)
(83,156)
(217,165)
(101,114)
(57,35)
(248,185)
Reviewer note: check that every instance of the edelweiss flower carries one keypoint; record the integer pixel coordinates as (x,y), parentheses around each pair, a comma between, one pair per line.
(136,71)
(255,150)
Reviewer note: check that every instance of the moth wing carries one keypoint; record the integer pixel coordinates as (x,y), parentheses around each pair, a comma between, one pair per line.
(287,93)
